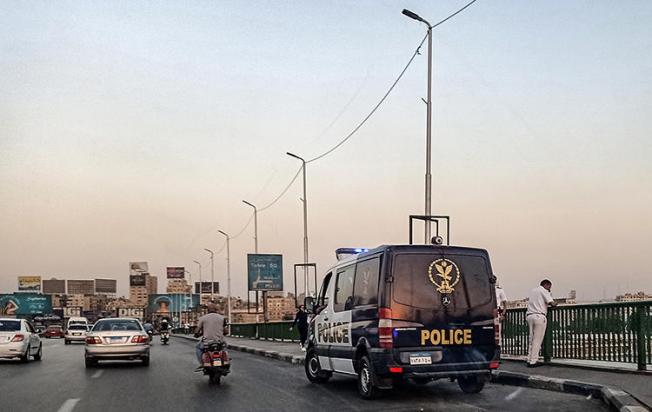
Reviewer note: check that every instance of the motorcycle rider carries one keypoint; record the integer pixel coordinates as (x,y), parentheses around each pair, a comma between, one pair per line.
(211,327)
(164,327)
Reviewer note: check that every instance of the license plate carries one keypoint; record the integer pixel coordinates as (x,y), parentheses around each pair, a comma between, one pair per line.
(117,340)
(216,362)
(76,334)
(420,359)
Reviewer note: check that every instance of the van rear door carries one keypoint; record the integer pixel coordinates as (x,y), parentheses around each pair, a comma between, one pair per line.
(443,299)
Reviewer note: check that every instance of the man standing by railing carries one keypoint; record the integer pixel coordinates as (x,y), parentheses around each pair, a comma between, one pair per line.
(537,312)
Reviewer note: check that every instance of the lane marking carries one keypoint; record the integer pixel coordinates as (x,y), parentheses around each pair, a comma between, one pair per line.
(513,394)
(98,373)
(68,405)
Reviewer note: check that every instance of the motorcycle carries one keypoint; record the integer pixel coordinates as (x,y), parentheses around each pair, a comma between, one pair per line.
(215,361)
(165,337)
(150,333)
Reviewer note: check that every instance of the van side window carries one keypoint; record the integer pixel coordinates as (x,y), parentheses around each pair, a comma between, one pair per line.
(322,300)
(366,282)
(344,289)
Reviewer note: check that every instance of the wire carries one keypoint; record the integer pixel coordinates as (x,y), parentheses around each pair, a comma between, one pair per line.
(331,150)
(283,192)
(244,228)
(452,15)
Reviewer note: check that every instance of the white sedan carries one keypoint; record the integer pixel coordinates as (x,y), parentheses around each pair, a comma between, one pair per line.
(18,339)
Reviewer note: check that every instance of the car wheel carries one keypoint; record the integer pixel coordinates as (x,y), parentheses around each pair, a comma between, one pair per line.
(366,387)
(313,368)
(145,360)
(215,378)
(39,354)
(24,358)
(470,384)
(89,362)
(67,342)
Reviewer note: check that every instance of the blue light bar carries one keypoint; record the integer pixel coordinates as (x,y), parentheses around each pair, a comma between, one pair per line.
(343,251)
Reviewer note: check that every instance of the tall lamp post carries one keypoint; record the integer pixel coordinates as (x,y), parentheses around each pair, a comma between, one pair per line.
(428,189)
(200,283)
(228,273)
(305,224)
(212,274)
(189,297)
(256,252)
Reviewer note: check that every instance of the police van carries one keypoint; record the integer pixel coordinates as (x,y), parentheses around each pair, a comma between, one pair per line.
(397,312)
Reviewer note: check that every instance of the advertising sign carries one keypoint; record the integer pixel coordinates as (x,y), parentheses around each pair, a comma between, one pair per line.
(177,272)
(71,311)
(106,285)
(25,304)
(29,283)
(172,303)
(206,287)
(138,267)
(265,272)
(137,313)
(137,280)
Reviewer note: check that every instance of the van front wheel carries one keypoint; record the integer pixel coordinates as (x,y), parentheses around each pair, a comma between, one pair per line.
(470,384)
(366,387)
(314,373)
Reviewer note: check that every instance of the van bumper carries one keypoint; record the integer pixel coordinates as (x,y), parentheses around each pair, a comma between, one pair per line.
(382,362)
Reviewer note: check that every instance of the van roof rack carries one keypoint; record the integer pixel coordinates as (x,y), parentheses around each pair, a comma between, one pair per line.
(437,239)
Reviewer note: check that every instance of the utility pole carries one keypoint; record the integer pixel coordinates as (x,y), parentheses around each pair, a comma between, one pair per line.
(228,274)
(305,224)
(265,315)
(200,283)
(212,275)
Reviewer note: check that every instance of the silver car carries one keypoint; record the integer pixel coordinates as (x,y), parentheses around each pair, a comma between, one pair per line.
(18,339)
(117,339)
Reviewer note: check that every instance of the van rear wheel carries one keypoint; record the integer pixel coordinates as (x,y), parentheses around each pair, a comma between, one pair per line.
(366,387)
(314,373)
(470,384)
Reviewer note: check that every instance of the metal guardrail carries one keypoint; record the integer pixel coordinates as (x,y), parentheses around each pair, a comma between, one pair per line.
(608,332)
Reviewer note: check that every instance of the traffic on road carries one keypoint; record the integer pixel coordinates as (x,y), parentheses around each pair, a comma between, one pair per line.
(255,384)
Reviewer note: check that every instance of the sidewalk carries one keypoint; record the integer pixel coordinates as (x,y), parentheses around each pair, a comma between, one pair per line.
(557,377)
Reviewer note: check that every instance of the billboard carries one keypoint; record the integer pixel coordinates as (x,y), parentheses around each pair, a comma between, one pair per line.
(177,272)
(138,267)
(172,302)
(54,286)
(71,311)
(106,285)
(21,304)
(265,272)
(138,313)
(29,283)
(137,280)
(206,287)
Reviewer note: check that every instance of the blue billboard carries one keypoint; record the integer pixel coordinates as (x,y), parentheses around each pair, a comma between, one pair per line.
(172,303)
(265,272)
(25,304)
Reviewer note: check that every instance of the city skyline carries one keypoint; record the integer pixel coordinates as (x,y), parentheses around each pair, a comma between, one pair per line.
(130,132)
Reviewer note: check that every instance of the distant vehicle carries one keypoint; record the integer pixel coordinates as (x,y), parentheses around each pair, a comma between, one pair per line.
(18,339)
(117,339)
(53,331)
(416,312)
(75,333)
(77,320)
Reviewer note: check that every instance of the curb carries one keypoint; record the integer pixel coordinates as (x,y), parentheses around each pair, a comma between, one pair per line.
(616,399)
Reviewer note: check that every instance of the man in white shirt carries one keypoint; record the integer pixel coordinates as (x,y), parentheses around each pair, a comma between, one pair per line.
(501,303)
(537,312)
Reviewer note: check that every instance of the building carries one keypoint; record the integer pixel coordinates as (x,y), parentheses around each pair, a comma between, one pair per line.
(106,286)
(281,307)
(633,297)
(54,286)
(81,287)
(178,286)
(140,287)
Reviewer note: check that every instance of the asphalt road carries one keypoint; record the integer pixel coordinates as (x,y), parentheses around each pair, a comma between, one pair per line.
(61,383)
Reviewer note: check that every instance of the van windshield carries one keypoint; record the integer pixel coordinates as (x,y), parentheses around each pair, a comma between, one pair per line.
(417,276)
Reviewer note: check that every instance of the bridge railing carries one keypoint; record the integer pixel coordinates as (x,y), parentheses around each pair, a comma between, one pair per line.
(608,332)
(270,331)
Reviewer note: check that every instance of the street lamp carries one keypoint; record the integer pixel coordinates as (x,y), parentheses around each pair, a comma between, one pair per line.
(228,273)
(256,252)
(212,273)
(189,297)
(305,223)
(428,189)
(200,283)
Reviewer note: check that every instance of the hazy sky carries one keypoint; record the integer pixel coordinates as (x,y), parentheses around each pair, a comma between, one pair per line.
(132,131)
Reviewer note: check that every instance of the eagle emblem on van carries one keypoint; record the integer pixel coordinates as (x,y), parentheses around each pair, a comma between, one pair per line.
(444,274)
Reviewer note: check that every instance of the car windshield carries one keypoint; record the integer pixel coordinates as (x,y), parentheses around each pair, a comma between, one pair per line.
(77,327)
(117,325)
(9,325)
(54,327)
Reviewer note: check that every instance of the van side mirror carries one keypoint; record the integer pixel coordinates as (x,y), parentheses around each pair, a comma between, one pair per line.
(309,303)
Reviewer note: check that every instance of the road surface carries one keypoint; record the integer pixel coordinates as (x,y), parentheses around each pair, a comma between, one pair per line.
(61,383)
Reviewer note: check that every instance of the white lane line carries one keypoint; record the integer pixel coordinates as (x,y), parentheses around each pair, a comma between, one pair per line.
(68,405)
(98,373)
(513,394)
